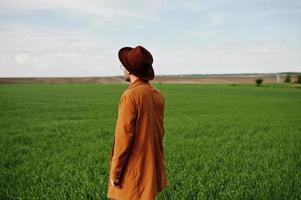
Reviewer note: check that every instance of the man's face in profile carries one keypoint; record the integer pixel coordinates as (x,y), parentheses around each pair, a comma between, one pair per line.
(126,74)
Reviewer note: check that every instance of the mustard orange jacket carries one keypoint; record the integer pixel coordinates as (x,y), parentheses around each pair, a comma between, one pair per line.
(137,156)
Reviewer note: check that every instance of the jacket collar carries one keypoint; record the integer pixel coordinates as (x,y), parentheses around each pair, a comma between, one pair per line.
(137,82)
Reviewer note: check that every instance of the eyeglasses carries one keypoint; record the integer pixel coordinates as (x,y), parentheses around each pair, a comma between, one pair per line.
(122,67)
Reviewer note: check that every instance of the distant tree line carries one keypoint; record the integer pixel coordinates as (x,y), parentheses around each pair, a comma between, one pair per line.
(288,79)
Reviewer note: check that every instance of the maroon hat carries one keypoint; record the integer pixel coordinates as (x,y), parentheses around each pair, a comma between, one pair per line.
(137,61)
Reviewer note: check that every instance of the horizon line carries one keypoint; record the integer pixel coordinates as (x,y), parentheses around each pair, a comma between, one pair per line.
(163,75)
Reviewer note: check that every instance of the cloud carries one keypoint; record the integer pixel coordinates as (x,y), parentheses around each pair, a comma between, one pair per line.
(214,19)
(82,38)
(98,13)
(22,59)
(29,50)
(260,51)
(199,6)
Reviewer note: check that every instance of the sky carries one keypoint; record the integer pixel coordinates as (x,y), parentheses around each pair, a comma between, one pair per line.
(78,38)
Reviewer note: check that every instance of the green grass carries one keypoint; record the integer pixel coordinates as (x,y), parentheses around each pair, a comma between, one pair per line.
(221,141)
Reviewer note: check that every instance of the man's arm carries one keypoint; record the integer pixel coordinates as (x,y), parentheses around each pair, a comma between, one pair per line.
(124,133)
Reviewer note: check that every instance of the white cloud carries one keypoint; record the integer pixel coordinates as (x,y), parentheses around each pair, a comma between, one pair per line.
(22,59)
(28,50)
(202,5)
(97,12)
(261,51)
(215,19)
(201,43)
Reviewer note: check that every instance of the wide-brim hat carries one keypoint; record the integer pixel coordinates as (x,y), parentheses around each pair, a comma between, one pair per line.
(137,61)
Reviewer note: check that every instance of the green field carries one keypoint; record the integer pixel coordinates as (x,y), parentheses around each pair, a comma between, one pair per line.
(221,141)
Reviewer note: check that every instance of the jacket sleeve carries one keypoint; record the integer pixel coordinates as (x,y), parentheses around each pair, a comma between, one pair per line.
(124,133)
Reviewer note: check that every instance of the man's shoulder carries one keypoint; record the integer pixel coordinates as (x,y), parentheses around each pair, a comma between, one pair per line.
(139,93)
(157,90)
(128,93)
(142,89)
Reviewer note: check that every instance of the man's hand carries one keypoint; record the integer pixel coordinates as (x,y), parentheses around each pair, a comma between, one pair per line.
(115,183)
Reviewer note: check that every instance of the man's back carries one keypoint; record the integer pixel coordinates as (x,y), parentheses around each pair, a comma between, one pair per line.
(138,155)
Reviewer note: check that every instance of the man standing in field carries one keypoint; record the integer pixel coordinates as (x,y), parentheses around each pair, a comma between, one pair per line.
(137,163)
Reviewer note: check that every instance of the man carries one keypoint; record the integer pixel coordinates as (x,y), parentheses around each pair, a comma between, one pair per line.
(137,163)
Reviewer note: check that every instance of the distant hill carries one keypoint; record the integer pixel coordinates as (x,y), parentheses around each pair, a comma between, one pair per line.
(181,78)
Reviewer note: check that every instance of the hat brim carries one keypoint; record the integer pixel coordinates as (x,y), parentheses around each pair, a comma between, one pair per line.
(122,54)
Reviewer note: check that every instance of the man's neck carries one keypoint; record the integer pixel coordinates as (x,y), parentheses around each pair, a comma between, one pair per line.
(133,79)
